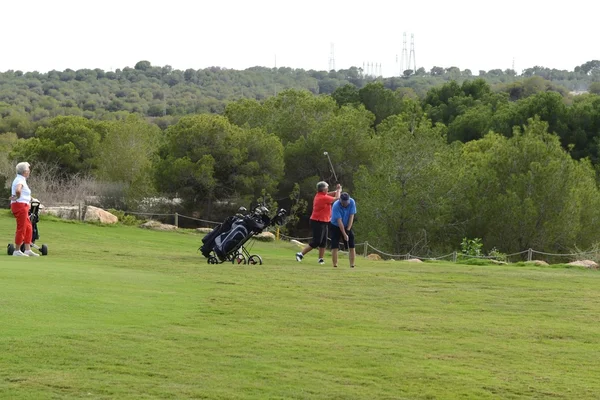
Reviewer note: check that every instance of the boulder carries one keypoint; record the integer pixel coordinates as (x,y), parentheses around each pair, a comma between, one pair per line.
(204,230)
(585,263)
(265,237)
(374,256)
(95,214)
(155,225)
(87,213)
(415,260)
(64,212)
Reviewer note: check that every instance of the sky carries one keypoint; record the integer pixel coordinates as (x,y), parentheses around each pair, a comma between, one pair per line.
(42,35)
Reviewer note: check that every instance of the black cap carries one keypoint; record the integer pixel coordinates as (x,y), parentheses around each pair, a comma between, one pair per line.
(344,197)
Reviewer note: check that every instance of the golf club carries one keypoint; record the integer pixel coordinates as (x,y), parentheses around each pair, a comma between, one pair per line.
(330,164)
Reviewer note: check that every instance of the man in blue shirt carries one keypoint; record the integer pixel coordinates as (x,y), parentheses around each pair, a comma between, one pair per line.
(342,218)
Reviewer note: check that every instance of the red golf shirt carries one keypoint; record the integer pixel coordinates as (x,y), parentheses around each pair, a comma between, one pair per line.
(322,207)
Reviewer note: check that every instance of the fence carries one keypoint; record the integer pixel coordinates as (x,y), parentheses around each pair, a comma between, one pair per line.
(176,217)
(365,248)
(525,255)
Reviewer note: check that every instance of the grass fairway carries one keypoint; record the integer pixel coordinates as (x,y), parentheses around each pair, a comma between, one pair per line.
(125,313)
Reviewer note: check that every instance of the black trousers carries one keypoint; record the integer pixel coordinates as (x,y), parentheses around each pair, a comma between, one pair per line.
(319,238)
(336,235)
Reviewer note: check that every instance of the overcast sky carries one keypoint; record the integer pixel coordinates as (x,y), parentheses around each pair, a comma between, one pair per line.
(479,35)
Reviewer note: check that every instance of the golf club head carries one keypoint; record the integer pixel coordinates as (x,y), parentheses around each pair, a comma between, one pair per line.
(325,153)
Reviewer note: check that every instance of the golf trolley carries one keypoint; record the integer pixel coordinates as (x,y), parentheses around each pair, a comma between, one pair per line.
(34,217)
(226,241)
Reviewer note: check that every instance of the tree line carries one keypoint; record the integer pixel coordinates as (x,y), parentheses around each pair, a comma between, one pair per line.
(467,159)
(29,100)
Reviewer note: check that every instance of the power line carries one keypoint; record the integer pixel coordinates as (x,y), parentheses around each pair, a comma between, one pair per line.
(412,53)
(403,56)
(331,59)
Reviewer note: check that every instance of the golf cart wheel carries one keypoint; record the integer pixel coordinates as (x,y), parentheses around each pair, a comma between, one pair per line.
(11,249)
(239,259)
(255,259)
(44,250)
(212,260)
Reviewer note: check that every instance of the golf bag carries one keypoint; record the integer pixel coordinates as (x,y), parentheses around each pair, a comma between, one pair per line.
(209,240)
(226,241)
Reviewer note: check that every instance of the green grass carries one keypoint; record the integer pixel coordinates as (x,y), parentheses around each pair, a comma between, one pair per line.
(124,313)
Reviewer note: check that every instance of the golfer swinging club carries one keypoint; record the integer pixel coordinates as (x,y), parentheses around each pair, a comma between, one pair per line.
(320,218)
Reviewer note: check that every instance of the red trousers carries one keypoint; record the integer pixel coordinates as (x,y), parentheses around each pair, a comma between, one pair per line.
(24,229)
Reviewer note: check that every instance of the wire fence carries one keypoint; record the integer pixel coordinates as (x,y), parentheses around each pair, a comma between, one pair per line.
(367,250)
(176,217)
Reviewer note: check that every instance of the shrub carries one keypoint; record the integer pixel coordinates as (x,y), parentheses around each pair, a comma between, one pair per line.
(125,219)
(471,247)
(4,191)
(497,255)
(475,261)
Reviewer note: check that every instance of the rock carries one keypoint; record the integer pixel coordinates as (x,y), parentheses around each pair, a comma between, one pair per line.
(374,256)
(87,213)
(204,230)
(416,260)
(96,214)
(265,237)
(540,263)
(297,243)
(155,225)
(585,263)
(151,224)
(64,212)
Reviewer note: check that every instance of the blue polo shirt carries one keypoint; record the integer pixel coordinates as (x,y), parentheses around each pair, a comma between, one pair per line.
(339,211)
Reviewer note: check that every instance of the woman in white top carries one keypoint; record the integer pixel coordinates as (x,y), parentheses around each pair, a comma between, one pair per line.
(19,205)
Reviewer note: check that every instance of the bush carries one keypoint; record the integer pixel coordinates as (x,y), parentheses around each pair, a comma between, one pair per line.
(475,261)
(4,192)
(125,219)
(497,255)
(471,247)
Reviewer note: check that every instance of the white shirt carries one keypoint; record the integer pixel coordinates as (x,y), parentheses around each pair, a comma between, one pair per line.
(25,191)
